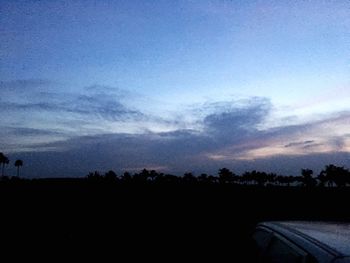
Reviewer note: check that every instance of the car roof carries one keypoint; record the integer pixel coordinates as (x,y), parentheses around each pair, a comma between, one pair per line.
(333,237)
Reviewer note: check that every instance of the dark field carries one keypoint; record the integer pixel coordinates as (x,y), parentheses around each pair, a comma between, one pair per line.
(80,218)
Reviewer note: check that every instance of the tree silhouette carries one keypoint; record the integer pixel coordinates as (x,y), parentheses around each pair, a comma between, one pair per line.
(271,178)
(260,177)
(225,176)
(212,179)
(283,180)
(142,176)
(256,177)
(189,178)
(249,177)
(126,177)
(335,175)
(18,164)
(307,178)
(322,178)
(111,176)
(159,177)
(94,176)
(341,177)
(203,178)
(168,178)
(3,161)
(2,158)
(153,175)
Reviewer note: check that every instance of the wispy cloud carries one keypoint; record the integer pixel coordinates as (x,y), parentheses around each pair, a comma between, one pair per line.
(304,143)
(23,131)
(98,102)
(25,103)
(25,84)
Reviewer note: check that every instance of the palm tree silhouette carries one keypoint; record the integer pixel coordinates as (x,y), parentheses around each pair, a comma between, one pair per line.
(3,160)
(330,173)
(335,175)
(307,178)
(18,163)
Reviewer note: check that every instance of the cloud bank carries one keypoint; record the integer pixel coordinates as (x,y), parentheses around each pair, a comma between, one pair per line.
(226,133)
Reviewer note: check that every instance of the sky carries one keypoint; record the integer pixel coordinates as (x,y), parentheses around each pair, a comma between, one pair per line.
(176,86)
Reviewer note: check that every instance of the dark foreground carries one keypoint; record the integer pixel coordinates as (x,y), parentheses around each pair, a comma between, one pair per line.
(82,219)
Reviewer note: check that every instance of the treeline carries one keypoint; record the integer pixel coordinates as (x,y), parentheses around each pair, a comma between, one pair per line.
(330,176)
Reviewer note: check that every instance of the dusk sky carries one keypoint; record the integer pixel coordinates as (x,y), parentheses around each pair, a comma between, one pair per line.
(175,86)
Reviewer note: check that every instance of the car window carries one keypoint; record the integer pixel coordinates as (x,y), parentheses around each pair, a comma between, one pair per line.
(262,238)
(280,250)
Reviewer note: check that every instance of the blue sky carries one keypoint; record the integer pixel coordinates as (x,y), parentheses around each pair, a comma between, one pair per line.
(242,82)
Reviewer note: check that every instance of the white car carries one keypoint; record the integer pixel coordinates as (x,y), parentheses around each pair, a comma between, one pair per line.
(302,242)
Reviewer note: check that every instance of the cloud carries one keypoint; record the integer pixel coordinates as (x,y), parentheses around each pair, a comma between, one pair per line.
(25,84)
(170,153)
(176,150)
(237,117)
(103,106)
(108,90)
(21,139)
(327,135)
(35,112)
(304,143)
(224,133)
(41,106)
(39,95)
(23,131)
(33,103)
